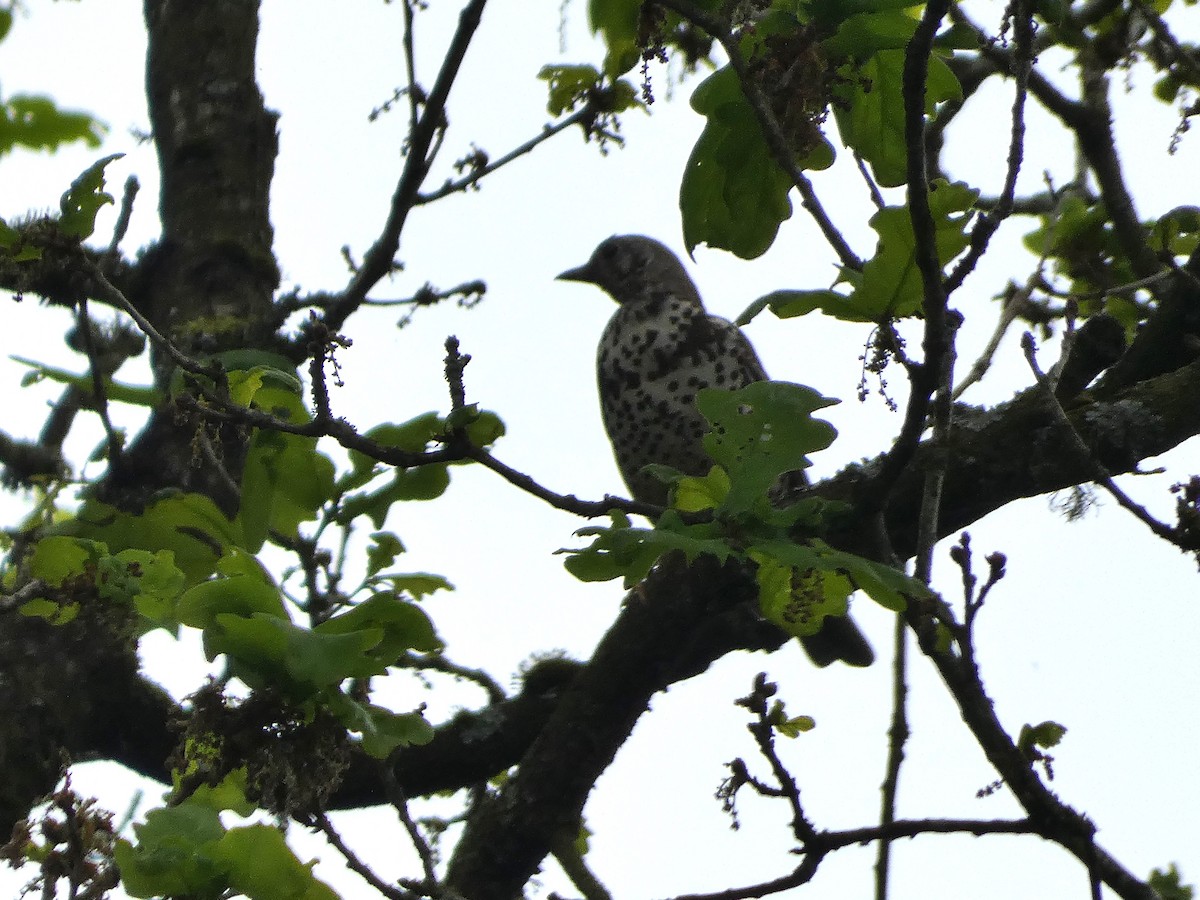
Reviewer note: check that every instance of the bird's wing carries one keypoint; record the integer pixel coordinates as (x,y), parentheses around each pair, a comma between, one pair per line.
(739,349)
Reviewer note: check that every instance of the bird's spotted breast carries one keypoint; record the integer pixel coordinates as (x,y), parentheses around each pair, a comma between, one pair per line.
(653,360)
(657,352)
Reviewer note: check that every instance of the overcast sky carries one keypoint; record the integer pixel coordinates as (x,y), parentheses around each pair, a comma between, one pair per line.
(1095,626)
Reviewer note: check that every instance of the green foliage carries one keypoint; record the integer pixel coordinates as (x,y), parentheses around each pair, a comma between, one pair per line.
(382,730)
(189,526)
(56,558)
(1169,884)
(1177,233)
(733,194)
(1079,240)
(151,582)
(622,550)
(114,391)
(181,561)
(285,480)
(427,482)
(36,123)
(82,201)
(571,87)
(186,851)
(889,286)
(617,21)
(384,549)
(412,584)
(12,245)
(1035,738)
(242,615)
(789,727)
(869,102)
(847,57)
(758,434)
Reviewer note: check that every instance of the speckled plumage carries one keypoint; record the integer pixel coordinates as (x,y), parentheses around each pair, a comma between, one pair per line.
(660,348)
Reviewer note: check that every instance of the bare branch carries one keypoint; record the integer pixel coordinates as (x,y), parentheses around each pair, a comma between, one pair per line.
(586,113)
(1091,121)
(927,377)
(1100,474)
(126,213)
(399,802)
(378,261)
(357,865)
(99,394)
(981,235)
(1014,304)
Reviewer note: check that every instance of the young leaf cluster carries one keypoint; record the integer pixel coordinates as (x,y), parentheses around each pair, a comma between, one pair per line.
(740,510)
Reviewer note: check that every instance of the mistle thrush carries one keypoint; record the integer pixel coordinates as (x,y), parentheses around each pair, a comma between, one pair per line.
(658,350)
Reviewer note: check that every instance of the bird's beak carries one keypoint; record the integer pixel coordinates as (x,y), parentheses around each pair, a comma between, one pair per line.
(579,273)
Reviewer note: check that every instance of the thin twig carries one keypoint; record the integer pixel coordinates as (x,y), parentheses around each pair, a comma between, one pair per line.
(398,800)
(415,94)
(575,866)
(379,259)
(456,364)
(123,216)
(898,734)
(1090,119)
(438,663)
(568,502)
(218,465)
(31,590)
(355,864)
(989,223)
(937,342)
(1048,815)
(1100,474)
(1163,32)
(777,142)
(1014,306)
(758,702)
(834,840)
(586,113)
(869,181)
(938,346)
(106,291)
(99,394)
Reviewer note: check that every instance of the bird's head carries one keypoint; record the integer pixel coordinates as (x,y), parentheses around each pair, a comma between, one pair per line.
(634,269)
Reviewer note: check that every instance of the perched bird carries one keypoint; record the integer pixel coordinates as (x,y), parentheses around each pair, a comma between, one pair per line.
(658,350)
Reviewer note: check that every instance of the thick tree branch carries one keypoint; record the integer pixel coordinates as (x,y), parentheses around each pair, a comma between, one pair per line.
(937,340)
(1016,451)
(71,689)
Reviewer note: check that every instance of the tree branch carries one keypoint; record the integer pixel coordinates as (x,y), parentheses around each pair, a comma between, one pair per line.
(378,261)
(777,143)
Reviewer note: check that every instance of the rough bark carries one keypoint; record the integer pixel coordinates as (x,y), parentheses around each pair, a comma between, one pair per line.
(73,692)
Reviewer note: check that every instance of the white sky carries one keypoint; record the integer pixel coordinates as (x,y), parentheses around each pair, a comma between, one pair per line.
(1095,626)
